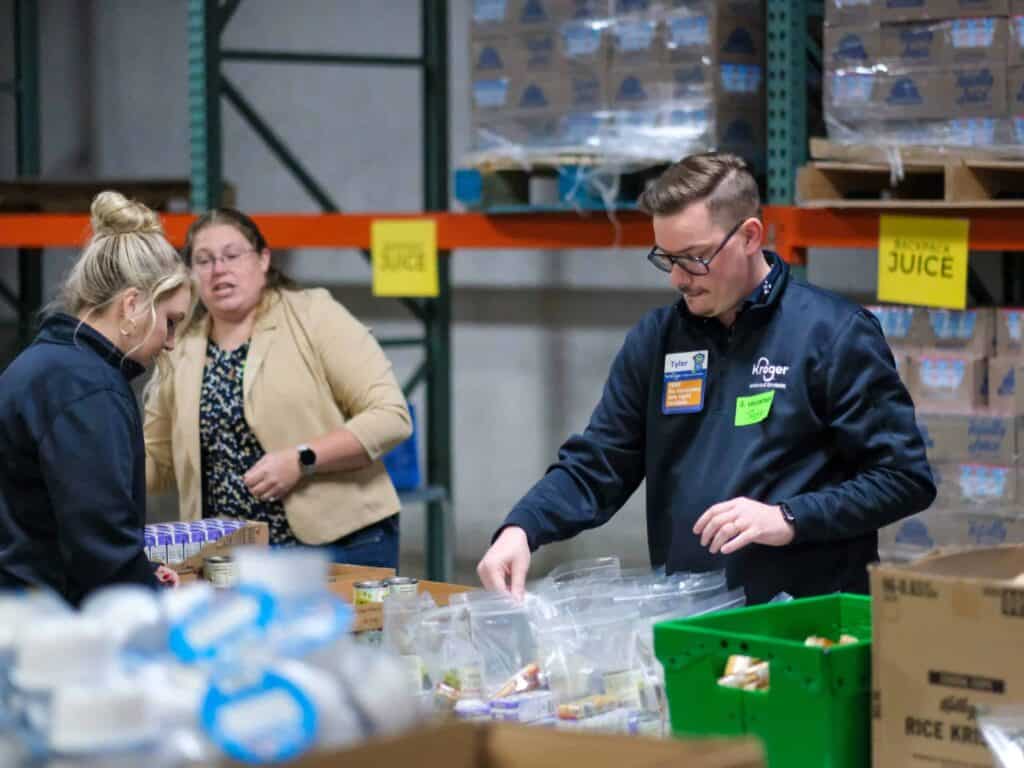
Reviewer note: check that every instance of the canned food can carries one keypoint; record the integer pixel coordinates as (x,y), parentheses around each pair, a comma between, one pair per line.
(373,591)
(403,586)
(220,571)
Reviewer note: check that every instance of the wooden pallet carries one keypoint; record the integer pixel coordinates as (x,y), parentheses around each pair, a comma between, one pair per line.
(956,181)
(553,184)
(823,149)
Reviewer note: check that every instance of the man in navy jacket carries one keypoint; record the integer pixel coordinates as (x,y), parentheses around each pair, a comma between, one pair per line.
(766,415)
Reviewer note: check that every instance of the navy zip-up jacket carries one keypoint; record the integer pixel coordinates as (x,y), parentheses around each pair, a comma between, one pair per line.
(838,444)
(72,465)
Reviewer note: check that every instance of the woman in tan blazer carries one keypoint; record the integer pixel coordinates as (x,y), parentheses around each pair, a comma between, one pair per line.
(276,405)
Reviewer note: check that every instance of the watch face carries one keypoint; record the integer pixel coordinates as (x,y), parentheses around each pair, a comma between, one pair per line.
(307,457)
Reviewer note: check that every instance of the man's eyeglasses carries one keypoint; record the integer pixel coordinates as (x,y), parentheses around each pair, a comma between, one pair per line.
(697,266)
(204,261)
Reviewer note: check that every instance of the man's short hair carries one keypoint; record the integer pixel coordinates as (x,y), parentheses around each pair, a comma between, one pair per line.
(721,180)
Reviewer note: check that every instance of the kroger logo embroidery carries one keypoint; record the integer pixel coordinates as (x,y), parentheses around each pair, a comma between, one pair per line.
(769,374)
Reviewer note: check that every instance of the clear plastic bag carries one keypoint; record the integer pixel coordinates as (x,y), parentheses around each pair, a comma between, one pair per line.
(503,633)
(1004,733)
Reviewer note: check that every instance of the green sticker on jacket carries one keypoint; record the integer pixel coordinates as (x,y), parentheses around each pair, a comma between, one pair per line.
(753,409)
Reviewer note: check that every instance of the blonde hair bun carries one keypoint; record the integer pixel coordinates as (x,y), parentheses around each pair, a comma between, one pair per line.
(114,214)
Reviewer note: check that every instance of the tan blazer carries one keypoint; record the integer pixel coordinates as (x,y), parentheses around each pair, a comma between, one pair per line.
(311,368)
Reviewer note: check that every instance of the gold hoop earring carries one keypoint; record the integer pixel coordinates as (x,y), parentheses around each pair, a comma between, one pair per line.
(132,330)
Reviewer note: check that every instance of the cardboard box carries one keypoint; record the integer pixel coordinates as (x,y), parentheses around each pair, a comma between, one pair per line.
(968,91)
(914,10)
(531,54)
(1015,46)
(640,89)
(581,42)
(969,486)
(637,42)
(968,331)
(1015,94)
(910,44)
(492,745)
(588,89)
(943,380)
(342,580)
(988,530)
(978,91)
(1009,332)
(923,93)
(956,437)
(252,534)
(1003,393)
(500,128)
(740,131)
(524,95)
(716,36)
(849,47)
(850,13)
(904,326)
(499,17)
(951,42)
(984,40)
(915,535)
(947,634)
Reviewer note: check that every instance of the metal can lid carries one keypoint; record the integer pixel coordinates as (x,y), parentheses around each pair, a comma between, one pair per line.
(219,559)
(400,580)
(370,584)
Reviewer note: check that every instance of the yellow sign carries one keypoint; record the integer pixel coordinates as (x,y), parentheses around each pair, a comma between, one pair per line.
(923,261)
(404,254)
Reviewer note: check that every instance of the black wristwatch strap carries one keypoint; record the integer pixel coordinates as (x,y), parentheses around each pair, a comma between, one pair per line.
(787,513)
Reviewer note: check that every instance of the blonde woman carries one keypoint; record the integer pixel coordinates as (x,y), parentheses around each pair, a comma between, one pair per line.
(278,405)
(72,461)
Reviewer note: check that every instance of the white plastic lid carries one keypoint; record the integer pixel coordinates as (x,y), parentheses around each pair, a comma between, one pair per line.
(113,716)
(124,608)
(282,572)
(17,609)
(62,650)
(178,603)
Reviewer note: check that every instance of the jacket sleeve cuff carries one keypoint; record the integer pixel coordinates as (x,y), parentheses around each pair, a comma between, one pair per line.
(809,525)
(520,519)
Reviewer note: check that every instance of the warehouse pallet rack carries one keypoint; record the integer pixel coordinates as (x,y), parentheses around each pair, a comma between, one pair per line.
(794,61)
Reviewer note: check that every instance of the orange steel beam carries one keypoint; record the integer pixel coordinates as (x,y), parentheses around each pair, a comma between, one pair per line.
(791,230)
(352,230)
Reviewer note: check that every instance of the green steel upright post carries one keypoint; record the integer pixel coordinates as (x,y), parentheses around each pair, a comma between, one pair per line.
(440,525)
(787,96)
(204,26)
(26,77)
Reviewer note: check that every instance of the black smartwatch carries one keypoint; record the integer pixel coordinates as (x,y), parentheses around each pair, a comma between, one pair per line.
(787,514)
(307,460)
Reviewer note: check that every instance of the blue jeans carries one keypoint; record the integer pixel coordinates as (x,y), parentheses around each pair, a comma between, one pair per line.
(375,545)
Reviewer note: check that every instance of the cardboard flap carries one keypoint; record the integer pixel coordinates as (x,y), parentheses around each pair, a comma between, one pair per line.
(1001,563)
(510,746)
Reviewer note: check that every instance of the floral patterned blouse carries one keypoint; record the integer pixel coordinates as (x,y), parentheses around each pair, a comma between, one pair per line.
(229,448)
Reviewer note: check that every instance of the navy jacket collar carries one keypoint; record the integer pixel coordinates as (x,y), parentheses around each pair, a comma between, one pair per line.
(760,299)
(61,328)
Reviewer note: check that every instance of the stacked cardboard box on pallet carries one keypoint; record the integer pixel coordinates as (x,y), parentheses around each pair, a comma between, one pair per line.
(925,72)
(652,79)
(969,412)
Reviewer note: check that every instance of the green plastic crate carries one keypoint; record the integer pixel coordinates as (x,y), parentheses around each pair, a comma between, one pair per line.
(816,712)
